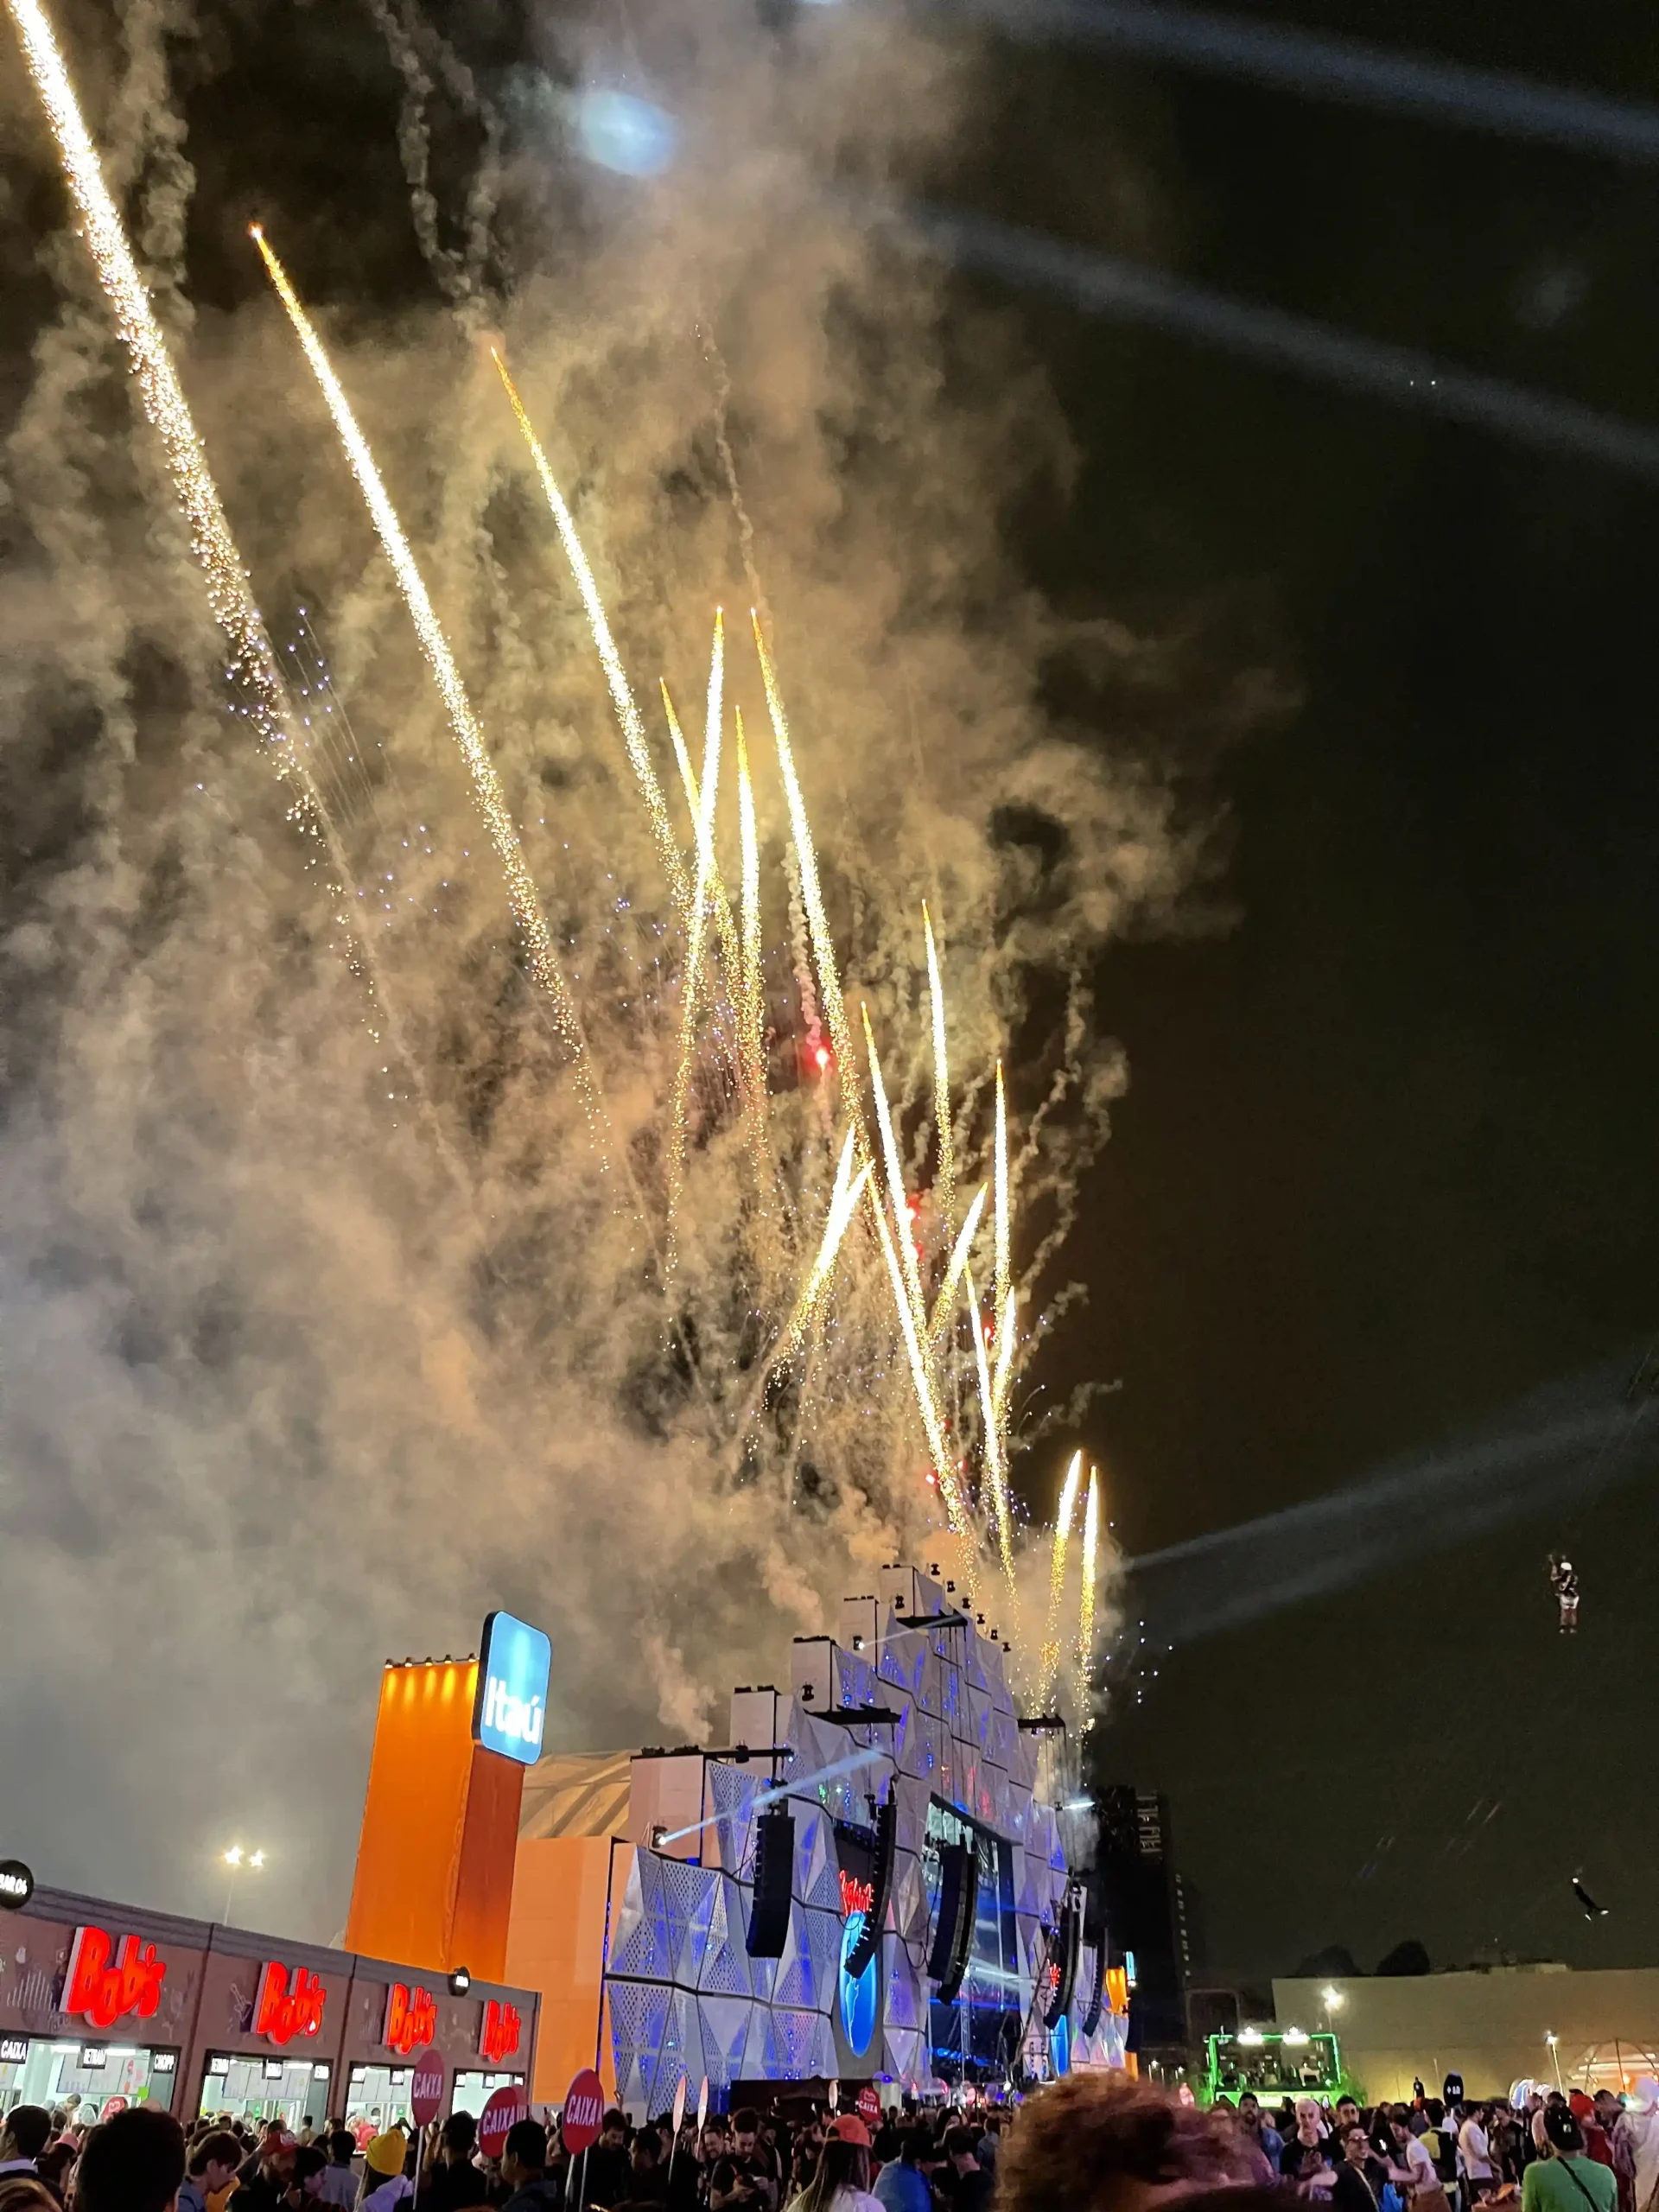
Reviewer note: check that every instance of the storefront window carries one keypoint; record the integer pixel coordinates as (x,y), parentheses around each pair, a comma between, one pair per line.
(292,2090)
(376,2097)
(471,2090)
(49,2070)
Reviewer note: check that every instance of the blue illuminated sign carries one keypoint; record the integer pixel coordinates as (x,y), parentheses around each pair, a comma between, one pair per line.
(859,1998)
(514,1662)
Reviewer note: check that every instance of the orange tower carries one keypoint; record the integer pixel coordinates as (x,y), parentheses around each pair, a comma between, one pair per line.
(435,1862)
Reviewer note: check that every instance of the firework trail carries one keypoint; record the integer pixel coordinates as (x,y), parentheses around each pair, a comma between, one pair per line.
(824,948)
(995,1467)
(1090,1567)
(1001,1201)
(903,1225)
(958,1264)
(1057,1574)
(707,795)
(252,667)
(689,783)
(487,785)
(947,1183)
(627,715)
(950,1490)
(750,988)
(843,1205)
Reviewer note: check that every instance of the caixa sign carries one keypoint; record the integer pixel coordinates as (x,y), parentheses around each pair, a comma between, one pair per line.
(499,2033)
(511,1706)
(411,2017)
(286,2007)
(103,1985)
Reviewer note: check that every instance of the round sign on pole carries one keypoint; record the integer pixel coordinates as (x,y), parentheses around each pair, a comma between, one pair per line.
(501,2114)
(680,2089)
(584,2111)
(702,2104)
(835,2096)
(427,2085)
(16,1884)
(869,2103)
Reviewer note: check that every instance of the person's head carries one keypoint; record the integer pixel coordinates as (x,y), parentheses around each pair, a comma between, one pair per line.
(309,2167)
(645,2154)
(1607,2107)
(133,2163)
(524,2155)
(1098,2143)
(1249,2102)
(25,2193)
(383,2156)
(713,2146)
(746,2126)
(1399,2126)
(1307,2120)
(1436,2111)
(277,2150)
(1347,2113)
(1355,2144)
(1562,2132)
(843,2163)
(962,2148)
(614,2130)
(27,2131)
(53,2166)
(458,2140)
(342,2147)
(214,2159)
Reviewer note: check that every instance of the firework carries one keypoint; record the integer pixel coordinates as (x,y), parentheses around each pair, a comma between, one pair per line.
(717,899)
(1056,1573)
(708,794)
(487,785)
(1001,1182)
(903,1223)
(1090,1567)
(627,715)
(843,1205)
(944,1133)
(958,1263)
(751,990)
(950,1489)
(995,1467)
(823,949)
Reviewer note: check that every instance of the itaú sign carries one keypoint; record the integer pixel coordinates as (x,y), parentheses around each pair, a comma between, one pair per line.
(411,2017)
(514,1663)
(285,2008)
(103,1985)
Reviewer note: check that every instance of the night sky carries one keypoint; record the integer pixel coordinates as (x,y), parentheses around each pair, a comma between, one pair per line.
(1386,1170)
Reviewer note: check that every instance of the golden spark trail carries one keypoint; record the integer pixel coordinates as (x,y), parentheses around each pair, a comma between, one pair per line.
(689,785)
(995,1467)
(957,1267)
(835,1006)
(751,1012)
(902,1221)
(1057,1574)
(950,1491)
(487,787)
(1000,1179)
(946,1137)
(708,794)
(843,1205)
(627,715)
(1090,1562)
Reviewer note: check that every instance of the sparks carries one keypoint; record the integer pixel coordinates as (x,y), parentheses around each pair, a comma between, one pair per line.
(1057,1572)
(708,794)
(995,1466)
(1090,1564)
(944,1133)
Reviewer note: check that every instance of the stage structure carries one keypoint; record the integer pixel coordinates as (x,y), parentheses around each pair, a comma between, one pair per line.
(863,1884)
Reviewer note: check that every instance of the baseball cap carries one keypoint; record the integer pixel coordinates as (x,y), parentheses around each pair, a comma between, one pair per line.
(849,2128)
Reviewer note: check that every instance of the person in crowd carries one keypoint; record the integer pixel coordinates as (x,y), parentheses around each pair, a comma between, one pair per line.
(22,2192)
(451,2182)
(305,2183)
(608,2173)
(1346,2116)
(1411,2163)
(270,2131)
(385,2186)
(1604,2110)
(339,2181)
(1099,2143)
(1306,2159)
(1474,2156)
(54,2166)
(1357,2185)
(902,2186)
(971,2186)
(743,2180)
(261,2181)
(1260,2130)
(647,2169)
(842,2181)
(132,2163)
(210,2166)
(990,2142)
(25,2135)
(523,2166)
(1563,2179)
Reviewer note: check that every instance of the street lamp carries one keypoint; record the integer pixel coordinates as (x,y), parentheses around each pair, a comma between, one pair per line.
(1333,1998)
(236,1858)
(1552,2040)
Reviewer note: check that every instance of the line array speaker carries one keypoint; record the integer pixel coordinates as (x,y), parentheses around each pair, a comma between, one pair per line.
(887,1833)
(953,1931)
(774,1863)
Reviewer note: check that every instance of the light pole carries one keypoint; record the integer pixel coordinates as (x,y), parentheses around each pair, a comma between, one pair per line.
(1552,2040)
(236,1858)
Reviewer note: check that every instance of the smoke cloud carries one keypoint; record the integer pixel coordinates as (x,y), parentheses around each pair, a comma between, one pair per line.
(320,1329)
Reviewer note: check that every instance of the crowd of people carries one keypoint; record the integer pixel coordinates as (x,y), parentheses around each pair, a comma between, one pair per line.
(1090,2143)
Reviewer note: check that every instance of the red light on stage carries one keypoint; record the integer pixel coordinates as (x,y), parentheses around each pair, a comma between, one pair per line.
(281,2011)
(498,2036)
(855,1896)
(104,1993)
(411,2017)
